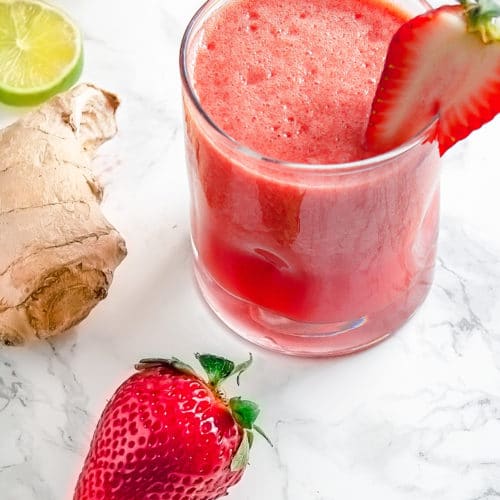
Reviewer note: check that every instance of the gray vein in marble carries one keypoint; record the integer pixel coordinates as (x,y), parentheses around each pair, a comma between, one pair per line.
(25,474)
(281,464)
(11,390)
(473,322)
(75,400)
(489,494)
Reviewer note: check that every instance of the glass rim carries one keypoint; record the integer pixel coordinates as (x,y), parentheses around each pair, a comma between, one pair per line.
(356,165)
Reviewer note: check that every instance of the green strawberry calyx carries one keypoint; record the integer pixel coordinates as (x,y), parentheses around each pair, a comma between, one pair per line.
(483,18)
(218,370)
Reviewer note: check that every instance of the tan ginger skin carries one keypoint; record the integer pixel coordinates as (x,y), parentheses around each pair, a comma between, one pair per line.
(57,251)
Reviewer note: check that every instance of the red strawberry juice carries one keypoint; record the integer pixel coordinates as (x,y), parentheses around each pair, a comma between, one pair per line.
(303,242)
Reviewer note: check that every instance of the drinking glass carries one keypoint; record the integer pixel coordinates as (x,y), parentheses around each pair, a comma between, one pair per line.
(311,260)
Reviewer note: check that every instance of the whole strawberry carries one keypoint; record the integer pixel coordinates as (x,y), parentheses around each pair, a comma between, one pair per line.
(166,434)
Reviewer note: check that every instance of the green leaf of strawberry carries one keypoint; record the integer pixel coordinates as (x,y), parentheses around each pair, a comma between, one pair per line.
(218,369)
(167,432)
(240,459)
(244,412)
(443,65)
(147,363)
(242,368)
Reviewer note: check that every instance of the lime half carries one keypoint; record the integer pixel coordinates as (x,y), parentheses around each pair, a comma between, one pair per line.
(40,52)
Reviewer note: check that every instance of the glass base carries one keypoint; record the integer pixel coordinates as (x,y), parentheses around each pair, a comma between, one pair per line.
(272,331)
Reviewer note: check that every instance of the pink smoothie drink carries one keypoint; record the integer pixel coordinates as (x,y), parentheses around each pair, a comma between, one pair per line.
(304,243)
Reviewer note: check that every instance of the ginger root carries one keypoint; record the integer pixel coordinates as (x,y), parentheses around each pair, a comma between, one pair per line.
(57,251)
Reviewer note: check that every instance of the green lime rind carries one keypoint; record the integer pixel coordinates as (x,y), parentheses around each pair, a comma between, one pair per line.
(33,97)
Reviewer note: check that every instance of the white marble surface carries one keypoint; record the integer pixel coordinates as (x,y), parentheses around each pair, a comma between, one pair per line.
(416,418)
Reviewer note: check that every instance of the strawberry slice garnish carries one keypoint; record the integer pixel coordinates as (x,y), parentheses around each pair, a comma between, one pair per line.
(443,64)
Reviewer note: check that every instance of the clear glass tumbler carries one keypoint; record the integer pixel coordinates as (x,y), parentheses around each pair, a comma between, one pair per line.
(311,260)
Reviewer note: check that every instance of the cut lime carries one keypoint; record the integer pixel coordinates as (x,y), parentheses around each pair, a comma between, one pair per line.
(40,52)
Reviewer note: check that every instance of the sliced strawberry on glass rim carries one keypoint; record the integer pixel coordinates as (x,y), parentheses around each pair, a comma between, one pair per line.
(443,64)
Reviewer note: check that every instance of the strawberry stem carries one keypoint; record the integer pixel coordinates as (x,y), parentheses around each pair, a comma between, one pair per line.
(482,18)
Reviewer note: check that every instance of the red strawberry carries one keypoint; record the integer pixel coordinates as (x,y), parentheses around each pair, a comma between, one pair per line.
(444,63)
(168,435)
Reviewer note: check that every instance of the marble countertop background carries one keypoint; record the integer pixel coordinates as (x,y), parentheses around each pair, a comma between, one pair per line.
(415,418)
